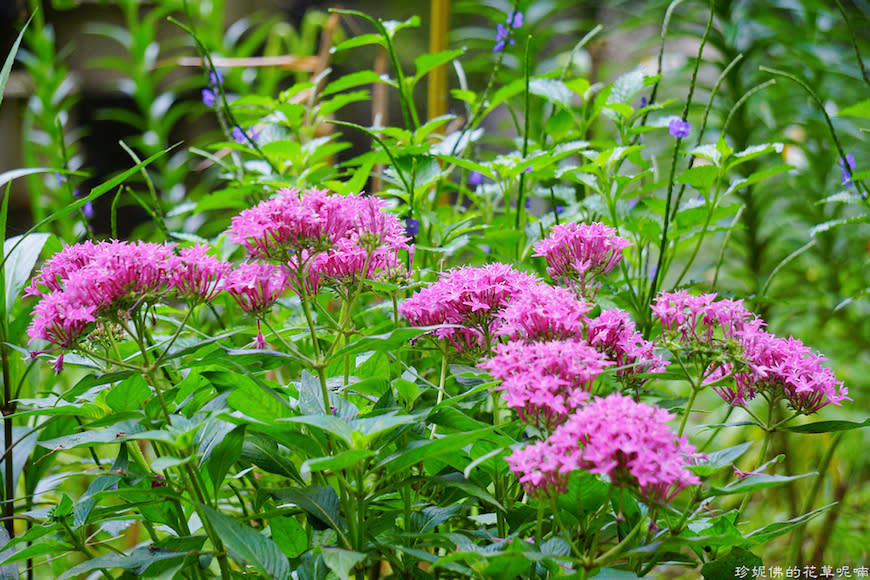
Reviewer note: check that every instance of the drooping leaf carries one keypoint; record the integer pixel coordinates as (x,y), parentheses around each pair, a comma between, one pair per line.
(341,561)
(248,545)
(321,503)
(20,262)
(723,568)
(290,536)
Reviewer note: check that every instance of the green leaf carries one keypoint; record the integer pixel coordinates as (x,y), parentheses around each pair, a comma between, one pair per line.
(365,77)
(328,423)
(826,426)
(10,59)
(265,454)
(335,462)
(389,342)
(321,503)
(700,177)
(417,451)
(860,110)
(129,394)
(719,459)
(248,545)
(359,40)
(341,561)
(290,536)
(12,174)
(20,262)
(222,455)
(256,401)
(427,61)
(755,482)
(770,531)
(137,562)
(553,90)
(431,516)
(724,568)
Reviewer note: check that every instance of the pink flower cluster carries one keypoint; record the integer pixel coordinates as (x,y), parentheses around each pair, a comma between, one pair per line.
(470,299)
(773,364)
(546,381)
(577,253)
(322,236)
(698,318)
(614,334)
(84,281)
(543,312)
(629,442)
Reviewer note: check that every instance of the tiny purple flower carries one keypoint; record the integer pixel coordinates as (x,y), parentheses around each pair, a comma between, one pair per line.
(559,209)
(503,35)
(679,128)
(238,135)
(208,97)
(527,169)
(847,164)
(215,78)
(60,178)
(528,203)
(412,226)
(643,102)
(475,178)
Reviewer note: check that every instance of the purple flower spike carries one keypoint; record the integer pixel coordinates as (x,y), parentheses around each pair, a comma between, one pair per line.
(679,128)
(503,35)
(847,164)
(208,97)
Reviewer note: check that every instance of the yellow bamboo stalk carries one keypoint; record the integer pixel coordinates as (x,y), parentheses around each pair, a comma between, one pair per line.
(437,85)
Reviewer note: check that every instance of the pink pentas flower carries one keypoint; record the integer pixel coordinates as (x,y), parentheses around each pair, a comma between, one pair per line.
(256,286)
(629,442)
(763,362)
(613,333)
(324,238)
(85,282)
(198,274)
(543,312)
(782,367)
(700,318)
(470,297)
(545,381)
(578,253)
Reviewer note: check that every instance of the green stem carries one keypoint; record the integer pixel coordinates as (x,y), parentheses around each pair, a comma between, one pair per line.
(810,498)
(688,410)
(318,357)
(615,550)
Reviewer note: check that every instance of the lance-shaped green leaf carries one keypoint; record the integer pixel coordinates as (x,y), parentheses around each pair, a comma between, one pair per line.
(719,459)
(826,426)
(247,545)
(755,482)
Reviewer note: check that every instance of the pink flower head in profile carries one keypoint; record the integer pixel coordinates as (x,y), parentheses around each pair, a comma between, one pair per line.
(613,333)
(323,237)
(577,253)
(774,365)
(85,282)
(702,319)
(545,381)
(543,312)
(629,442)
(198,274)
(781,367)
(469,297)
(256,286)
